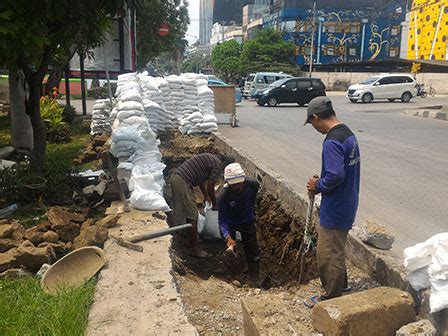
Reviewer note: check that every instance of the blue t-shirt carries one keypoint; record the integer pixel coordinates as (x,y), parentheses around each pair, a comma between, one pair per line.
(237,208)
(339,181)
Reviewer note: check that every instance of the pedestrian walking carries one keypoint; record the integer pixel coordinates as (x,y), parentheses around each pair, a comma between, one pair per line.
(339,186)
(236,213)
(201,170)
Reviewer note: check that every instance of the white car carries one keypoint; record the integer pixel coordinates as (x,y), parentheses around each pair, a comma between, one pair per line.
(390,87)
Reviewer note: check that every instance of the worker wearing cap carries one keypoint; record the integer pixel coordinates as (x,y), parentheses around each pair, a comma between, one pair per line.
(339,186)
(236,205)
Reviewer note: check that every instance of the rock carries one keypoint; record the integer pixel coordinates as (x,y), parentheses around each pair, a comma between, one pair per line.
(60,217)
(91,236)
(33,257)
(51,237)
(6,230)
(421,328)
(7,244)
(8,260)
(87,223)
(108,221)
(236,283)
(6,152)
(26,243)
(67,232)
(34,235)
(60,248)
(159,215)
(14,273)
(353,314)
(99,140)
(376,235)
(19,232)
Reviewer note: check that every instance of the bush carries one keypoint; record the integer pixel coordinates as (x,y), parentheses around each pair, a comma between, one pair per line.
(52,114)
(68,114)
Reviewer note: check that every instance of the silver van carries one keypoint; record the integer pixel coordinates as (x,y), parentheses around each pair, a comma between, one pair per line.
(255,83)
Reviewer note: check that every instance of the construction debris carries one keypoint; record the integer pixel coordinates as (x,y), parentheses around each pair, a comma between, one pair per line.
(376,235)
(419,328)
(353,314)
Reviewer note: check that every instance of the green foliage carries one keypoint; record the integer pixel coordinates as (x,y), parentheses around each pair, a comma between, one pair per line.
(195,62)
(150,15)
(226,60)
(26,310)
(52,114)
(69,113)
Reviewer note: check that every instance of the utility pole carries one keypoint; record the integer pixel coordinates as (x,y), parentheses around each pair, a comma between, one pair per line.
(313,31)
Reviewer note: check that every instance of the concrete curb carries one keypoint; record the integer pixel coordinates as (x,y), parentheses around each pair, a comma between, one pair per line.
(383,266)
(428,113)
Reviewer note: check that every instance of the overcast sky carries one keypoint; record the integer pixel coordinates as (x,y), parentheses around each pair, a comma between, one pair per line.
(193,28)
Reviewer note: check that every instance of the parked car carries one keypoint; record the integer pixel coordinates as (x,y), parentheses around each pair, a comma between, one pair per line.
(260,81)
(247,85)
(298,90)
(389,86)
(238,94)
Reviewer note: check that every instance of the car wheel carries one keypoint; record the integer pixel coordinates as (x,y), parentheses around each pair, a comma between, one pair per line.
(367,98)
(260,103)
(406,97)
(391,99)
(272,101)
(354,100)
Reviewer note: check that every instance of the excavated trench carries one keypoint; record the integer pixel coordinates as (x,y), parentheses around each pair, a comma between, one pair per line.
(212,289)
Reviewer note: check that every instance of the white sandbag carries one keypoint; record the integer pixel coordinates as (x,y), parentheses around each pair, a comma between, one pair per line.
(131,95)
(129,106)
(195,116)
(125,165)
(419,279)
(121,115)
(148,200)
(210,118)
(136,120)
(207,125)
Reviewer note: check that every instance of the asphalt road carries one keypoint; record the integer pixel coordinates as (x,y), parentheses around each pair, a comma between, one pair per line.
(404,181)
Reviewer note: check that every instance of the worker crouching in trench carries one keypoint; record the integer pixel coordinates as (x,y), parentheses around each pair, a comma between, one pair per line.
(236,204)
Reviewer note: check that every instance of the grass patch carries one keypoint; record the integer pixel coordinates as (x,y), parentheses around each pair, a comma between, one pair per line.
(26,310)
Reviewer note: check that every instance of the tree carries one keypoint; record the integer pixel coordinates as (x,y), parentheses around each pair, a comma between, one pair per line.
(268,51)
(35,33)
(196,61)
(226,60)
(151,14)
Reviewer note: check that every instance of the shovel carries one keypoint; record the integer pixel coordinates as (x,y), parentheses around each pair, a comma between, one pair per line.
(130,241)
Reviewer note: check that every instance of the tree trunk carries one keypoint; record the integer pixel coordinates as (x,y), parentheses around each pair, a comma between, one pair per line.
(21,130)
(54,79)
(39,132)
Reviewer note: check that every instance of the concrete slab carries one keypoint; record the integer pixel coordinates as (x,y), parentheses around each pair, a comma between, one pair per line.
(377,311)
(136,294)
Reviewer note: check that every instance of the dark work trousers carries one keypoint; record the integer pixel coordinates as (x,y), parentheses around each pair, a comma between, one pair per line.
(249,236)
(331,261)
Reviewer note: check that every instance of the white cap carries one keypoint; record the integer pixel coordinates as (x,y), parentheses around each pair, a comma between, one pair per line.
(233,173)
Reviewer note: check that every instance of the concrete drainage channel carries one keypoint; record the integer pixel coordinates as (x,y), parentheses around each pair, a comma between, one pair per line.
(216,294)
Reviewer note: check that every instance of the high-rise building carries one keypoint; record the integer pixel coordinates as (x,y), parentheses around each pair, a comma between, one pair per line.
(205,21)
(228,12)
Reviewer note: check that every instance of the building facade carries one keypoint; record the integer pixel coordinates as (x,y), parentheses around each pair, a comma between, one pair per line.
(205,21)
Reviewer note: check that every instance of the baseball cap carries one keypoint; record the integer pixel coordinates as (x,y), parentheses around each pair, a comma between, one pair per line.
(234,173)
(318,105)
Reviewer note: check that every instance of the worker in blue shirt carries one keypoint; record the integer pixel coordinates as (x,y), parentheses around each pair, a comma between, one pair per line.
(339,186)
(236,205)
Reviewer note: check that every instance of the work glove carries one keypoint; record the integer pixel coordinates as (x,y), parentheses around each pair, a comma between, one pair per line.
(230,245)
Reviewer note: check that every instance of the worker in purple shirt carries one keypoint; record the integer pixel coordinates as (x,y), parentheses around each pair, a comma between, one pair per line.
(339,186)
(236,204)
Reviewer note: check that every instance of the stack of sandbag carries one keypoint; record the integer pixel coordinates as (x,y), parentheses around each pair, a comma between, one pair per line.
(170,107)
(190,99)
(197,123)
(427,267)
(176,95)
(100,117)
(206,99)
(156,115)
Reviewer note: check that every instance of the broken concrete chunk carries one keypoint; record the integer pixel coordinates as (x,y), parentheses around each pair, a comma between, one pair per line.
(60,248)
(376,235)
(91,236)
(87,223)
(353,314)
(8,260)
(108,221)
(34,235)
(100,188)
(420,328)
(51,236)
(14,273)
(33,257)
(6,230)
(60,217)
(89,190)
(6,152)
(67,232)
(7,244)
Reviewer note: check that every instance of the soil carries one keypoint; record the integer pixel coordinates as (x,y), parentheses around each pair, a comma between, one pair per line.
(212,288)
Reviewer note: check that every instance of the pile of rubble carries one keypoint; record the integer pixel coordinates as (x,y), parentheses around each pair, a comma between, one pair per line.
(92,151)
(61,233)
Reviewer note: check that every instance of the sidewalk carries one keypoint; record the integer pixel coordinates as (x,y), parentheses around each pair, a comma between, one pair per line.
(429,112)
(135,293)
